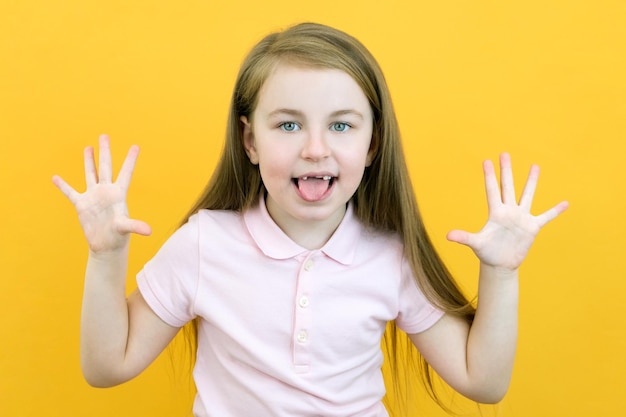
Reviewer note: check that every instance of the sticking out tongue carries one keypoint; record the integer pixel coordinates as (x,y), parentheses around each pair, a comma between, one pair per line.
(313,188)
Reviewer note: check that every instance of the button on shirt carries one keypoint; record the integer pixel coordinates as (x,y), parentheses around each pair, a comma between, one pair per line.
(284,331)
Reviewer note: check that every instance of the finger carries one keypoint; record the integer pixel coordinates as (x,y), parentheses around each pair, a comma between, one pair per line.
(526,200)
(549,215)
(126,172)
(91,176)
(491,185)
(460,236)
(65,188)
(134,226)
(506,179)
(104,162)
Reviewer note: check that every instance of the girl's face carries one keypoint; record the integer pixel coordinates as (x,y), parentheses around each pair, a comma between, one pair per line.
(310,134)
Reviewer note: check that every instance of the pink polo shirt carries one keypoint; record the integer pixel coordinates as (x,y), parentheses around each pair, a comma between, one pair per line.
(284,331)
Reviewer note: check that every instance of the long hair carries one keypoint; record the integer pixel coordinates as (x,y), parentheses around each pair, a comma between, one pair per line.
(384,199)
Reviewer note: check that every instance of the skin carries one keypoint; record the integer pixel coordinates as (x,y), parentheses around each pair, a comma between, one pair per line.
(477,361)
(120,337)
(309,123)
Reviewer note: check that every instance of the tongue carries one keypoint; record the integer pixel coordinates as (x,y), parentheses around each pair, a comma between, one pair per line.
(312,189)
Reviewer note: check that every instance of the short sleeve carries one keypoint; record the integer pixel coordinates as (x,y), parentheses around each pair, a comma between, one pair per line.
(169,281)
(416,313)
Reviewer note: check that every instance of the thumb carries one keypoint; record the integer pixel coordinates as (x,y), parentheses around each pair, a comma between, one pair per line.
(134,226)
(460,236)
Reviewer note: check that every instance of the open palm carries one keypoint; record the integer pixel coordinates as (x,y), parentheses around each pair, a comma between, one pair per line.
(102,209)
(506,238)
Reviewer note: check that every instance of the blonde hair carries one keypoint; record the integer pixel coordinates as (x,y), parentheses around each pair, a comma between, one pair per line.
(384,198)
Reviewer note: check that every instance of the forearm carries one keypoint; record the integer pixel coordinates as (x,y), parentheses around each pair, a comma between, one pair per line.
(104,319)
(492,337)
(112,350)
(477,360)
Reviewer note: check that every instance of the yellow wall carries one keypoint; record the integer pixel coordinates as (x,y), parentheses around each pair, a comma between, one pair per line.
(544,80)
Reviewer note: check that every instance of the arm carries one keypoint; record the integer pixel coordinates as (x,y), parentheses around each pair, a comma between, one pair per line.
(477,361)
(119,337)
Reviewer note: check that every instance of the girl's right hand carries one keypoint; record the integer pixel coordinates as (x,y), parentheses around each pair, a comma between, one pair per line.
(102,209)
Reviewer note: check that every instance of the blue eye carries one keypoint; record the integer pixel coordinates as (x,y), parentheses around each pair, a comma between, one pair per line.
(289,126)
(340,127)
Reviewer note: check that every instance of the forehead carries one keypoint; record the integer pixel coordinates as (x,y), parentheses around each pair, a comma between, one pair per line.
(307,88)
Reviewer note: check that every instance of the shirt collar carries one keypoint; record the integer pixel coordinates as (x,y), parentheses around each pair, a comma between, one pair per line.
(273,242)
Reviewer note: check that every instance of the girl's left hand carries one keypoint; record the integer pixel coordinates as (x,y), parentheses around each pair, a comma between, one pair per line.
(510,230)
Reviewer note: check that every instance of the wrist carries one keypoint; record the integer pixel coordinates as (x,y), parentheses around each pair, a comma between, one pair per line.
(108,256)
(499,272)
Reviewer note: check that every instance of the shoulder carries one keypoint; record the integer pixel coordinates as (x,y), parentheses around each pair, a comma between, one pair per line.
(382,240)
(381,236)
(205,220)
(354,229)
(207,215)
(217,230)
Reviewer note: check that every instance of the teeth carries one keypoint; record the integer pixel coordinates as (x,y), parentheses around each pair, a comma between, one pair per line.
(325,178)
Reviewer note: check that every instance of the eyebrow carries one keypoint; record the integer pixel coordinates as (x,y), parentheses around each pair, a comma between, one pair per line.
(298,113)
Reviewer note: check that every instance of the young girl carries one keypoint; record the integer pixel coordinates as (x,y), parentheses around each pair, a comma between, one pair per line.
(306,242)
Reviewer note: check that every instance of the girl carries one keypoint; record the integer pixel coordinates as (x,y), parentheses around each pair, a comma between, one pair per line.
(306,242)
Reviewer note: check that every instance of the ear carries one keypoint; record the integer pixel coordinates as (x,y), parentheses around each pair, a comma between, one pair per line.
(248,140)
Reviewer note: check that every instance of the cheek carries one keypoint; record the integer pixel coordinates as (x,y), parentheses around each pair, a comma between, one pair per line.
(357,155)
(272,167)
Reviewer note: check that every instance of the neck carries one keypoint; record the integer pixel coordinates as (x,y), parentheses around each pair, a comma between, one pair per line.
(310,234)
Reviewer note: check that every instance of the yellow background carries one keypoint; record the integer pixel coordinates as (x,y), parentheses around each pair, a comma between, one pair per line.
(544,80)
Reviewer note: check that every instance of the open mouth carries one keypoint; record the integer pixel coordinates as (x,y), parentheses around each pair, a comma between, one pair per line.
(314,188)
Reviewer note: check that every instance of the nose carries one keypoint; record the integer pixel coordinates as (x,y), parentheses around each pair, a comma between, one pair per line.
(315,146)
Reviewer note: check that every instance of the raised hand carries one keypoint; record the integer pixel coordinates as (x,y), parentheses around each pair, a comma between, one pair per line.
(102,209)
(504,241)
